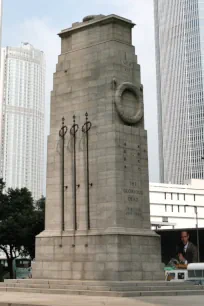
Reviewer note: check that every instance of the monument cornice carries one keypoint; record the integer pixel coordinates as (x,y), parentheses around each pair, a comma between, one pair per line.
(103,20)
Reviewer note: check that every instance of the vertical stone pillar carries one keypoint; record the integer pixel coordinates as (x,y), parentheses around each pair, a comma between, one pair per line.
(98,73)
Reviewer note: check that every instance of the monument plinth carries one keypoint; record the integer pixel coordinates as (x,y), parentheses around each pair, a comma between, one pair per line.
(97,207)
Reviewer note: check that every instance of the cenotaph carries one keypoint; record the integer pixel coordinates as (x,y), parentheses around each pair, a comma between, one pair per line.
(97,223)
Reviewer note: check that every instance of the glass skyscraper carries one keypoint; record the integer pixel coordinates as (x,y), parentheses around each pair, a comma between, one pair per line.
(22,136)
(1,75)
(179,36)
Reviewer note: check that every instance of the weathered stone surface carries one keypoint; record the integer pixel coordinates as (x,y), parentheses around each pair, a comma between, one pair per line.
(96,68)
(106,257)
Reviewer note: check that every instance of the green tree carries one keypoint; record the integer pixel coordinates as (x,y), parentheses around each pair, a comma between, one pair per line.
(37,226)
(20,221)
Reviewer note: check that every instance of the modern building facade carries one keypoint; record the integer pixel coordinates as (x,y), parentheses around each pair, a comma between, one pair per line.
(176,206)
(1,75)
(22,137)
(179,36)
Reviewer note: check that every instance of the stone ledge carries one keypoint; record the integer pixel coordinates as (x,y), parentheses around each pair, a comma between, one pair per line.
(103,20)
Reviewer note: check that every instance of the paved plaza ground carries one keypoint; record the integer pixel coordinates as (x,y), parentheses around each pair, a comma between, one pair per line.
(17,299)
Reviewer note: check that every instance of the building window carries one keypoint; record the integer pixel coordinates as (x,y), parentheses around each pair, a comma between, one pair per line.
(194,197)
(164,219)
(165,195)
(184,196)
(172,208)
(171,196)
(165,208)
(177,196)
(178,208)
(185,208)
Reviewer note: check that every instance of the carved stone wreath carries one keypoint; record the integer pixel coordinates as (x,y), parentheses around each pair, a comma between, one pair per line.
(138,93)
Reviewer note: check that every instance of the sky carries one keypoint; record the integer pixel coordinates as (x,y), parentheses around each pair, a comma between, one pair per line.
(39,21)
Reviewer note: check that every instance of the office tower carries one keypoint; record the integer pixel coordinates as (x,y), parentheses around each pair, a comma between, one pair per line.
(1,13)
(179,36)
(22,149)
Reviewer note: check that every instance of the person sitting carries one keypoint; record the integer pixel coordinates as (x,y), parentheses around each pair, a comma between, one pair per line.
(187,252)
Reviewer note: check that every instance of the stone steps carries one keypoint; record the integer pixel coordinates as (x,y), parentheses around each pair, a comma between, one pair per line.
(97,287)
(95,283)
(105,293)
(102,288)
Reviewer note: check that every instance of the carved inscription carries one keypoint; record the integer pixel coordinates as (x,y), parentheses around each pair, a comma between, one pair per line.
(128,66)
(132,211)
(131,197)
(131,193)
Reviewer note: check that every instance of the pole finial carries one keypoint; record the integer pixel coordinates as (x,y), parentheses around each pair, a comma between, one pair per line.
(63,129)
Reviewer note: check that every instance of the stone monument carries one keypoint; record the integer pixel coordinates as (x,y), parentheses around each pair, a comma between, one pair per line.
(97,223)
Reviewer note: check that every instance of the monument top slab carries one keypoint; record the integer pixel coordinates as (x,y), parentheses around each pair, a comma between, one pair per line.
(92,20)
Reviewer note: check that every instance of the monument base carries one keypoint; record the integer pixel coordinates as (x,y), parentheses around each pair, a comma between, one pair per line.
(122,256)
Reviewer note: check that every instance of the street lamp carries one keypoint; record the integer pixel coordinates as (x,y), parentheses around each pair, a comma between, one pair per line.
(197,231)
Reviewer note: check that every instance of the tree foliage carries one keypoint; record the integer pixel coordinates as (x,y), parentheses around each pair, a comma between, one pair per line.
(37,226)
(20,221)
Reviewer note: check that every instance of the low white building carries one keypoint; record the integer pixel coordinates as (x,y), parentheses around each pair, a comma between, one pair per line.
(175,206)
